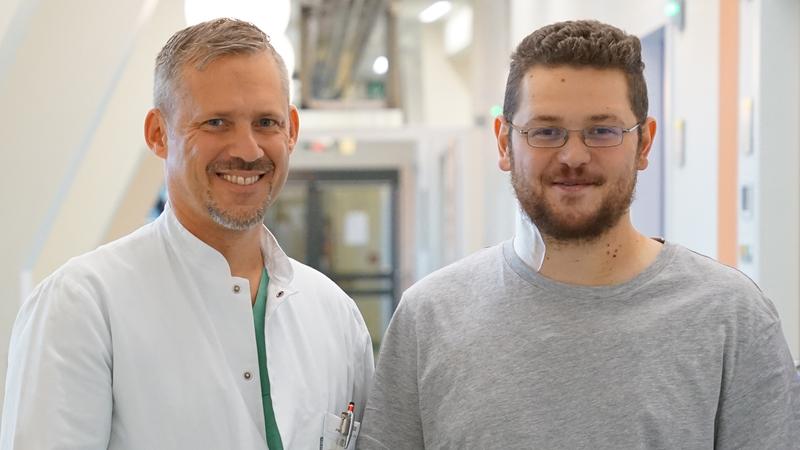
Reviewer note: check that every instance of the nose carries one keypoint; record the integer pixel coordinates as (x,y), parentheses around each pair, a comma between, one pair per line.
(246,146)
(574,153)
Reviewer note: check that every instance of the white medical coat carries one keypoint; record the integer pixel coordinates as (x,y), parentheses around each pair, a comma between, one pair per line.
(148,343)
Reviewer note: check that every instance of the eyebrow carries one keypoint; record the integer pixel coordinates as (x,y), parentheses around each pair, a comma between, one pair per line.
(556,119)
(603,117)
(203,115)
(223,114)
(545,118)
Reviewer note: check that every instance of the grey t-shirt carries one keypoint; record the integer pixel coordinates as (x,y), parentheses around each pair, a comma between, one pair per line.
(487,353)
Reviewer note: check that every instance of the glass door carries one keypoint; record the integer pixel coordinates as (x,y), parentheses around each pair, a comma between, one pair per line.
(343,223)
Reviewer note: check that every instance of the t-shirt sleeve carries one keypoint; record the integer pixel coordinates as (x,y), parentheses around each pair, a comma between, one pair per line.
(392,418)
(364,367)
(760,401)
(58,384)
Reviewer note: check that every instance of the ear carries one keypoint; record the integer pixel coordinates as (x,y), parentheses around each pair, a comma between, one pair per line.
(648,137)
(294,126)
(501,129)
(155,132)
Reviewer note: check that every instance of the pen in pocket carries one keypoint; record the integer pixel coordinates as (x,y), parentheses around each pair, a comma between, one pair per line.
(346,426)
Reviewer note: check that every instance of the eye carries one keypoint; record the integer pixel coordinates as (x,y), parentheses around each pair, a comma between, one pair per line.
(603,131)
(546,132)
(215,123)
(267,122)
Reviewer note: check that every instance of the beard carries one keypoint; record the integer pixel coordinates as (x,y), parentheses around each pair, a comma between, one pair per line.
(233,218)
(558,223)
(237,220)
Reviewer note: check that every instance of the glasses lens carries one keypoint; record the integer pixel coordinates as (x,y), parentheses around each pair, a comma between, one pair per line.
(602,136)
(546,137)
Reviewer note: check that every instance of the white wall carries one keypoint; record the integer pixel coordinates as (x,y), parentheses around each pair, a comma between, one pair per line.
(637,17)
(55,101)
(444,94)
(490,58)
(458,93)
(749,258)
(14,18)
(778,150)
(74,96)
(692,96)
(111,152)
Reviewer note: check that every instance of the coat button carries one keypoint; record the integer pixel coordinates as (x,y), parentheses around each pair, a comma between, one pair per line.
(247,375)
(236,288)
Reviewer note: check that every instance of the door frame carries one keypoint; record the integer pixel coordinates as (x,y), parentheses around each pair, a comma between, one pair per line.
(314,221)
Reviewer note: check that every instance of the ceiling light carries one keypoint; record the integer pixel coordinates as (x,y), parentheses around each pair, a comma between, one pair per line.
(458,30)
(435,12)
(381,65)
(672,8)
(347,146)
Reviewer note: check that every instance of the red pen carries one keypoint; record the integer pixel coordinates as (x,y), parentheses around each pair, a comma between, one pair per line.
(346,426)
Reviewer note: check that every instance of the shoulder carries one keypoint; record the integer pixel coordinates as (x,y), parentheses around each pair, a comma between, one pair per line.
(85,279)
(705,266)
(702,271)
(732,293)
(455,282)
(321,292)
(311,280)
(125,253)
(484,262)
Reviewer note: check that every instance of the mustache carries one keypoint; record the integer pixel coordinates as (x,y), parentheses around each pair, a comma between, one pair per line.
(259,165)
(577,175)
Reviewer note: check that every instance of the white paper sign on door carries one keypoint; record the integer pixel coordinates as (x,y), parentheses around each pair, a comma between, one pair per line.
(356,228)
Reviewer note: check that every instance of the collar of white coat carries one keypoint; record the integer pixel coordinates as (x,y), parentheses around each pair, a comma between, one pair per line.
(528,242)
(277,263)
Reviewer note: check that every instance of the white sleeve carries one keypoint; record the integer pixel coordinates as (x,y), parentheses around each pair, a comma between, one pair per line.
(58,384)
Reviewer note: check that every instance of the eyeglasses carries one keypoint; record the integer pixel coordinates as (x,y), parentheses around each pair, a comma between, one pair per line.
(555,137)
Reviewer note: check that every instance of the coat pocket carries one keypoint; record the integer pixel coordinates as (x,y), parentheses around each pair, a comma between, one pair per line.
(334,437)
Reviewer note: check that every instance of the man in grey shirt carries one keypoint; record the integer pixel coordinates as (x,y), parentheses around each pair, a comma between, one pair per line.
(618,340)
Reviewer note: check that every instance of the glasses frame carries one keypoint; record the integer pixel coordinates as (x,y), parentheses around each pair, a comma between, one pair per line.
(525,132)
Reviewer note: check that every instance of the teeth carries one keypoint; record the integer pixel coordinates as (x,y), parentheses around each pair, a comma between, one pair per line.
(242,181)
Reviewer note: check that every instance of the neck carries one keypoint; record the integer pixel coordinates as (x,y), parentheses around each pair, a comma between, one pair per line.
(241,249)
(615,257)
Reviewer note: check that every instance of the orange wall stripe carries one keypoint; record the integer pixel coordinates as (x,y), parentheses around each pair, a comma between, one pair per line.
(727,188)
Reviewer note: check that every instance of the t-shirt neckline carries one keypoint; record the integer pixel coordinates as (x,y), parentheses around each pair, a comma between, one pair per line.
(624,289)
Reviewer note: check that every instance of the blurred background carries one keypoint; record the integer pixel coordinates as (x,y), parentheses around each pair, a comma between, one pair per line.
(395,173)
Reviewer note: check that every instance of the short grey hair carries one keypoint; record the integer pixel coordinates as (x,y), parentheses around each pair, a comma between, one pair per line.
(201,44)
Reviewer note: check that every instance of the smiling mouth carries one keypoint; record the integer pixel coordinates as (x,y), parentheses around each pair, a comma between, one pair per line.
(574,183)
(241,181)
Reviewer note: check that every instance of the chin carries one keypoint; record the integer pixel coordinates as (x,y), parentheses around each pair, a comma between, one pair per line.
(237,219)
(574,227)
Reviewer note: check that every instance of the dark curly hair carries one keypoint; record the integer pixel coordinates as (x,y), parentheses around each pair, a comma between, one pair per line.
(581,43)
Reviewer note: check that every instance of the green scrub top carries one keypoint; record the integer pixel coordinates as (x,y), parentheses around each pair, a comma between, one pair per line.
(259,310)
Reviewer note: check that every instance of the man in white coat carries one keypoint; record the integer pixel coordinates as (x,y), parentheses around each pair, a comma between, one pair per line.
(195,331)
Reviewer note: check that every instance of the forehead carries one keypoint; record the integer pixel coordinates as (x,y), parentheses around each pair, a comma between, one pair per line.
(574,93)
(233,79)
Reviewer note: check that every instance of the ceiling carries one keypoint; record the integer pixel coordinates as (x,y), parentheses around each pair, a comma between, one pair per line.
(340,39)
